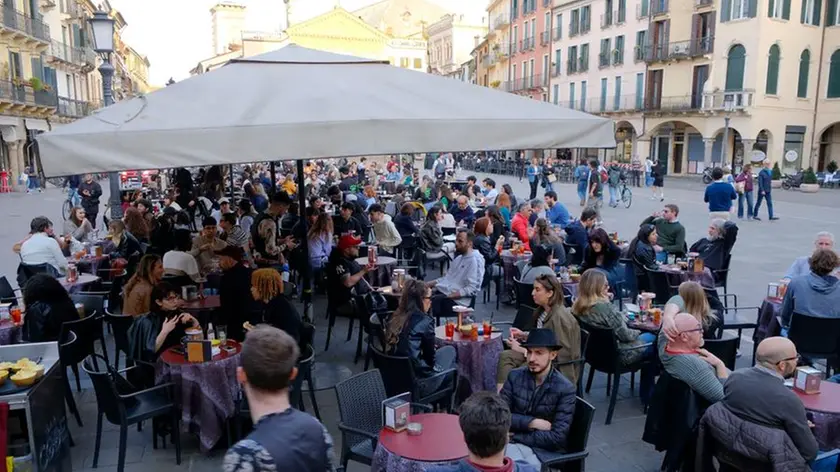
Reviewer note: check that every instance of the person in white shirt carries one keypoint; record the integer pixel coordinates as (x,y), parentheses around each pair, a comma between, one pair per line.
(463,279)
(179,261)
(42,247)
(491,192)
(224,208)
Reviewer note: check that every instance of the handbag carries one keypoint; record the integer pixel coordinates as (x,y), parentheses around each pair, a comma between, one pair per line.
(374,301)
(552,178)
(739,186)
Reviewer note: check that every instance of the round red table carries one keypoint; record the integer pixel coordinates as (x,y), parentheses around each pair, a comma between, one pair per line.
(205,391)
(825,407)
(478,358)
(440,443)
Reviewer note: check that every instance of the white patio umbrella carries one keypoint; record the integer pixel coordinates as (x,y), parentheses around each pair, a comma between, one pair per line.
(299,103)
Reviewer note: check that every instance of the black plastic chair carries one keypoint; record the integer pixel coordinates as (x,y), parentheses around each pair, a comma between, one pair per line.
(88,330)
(67,344)
(124,408)
(603,354)
(722,278)
(178,281)
(574,254)
(26,271)
(358,315)
(580,362)
(660,284)
(733,319)
(7,293)
(524,295)
(399,377)
(573,459)
(119,326)
(725,349)
(816,338)
(491,279)
(94,302)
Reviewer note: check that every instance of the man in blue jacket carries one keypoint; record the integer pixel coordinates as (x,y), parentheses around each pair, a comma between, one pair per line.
(764,189)
(485,421)
(541,400)
(556,212)
(719,195)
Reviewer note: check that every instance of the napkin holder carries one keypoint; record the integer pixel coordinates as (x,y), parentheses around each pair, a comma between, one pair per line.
(199,351)
(396,412)
(807,380)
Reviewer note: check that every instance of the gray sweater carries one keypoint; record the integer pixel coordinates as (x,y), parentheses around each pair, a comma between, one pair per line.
(776,405)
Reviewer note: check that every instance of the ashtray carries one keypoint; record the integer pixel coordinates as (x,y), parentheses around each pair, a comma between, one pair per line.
(414,429)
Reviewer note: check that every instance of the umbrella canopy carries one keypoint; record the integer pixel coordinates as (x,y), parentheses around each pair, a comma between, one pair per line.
(299,103)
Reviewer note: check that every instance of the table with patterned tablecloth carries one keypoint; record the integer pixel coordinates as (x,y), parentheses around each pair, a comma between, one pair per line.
(478,358)
(677,276)
(440,443)
(10,333)
(77,285)
(205,391)
(825,408)
(509,261)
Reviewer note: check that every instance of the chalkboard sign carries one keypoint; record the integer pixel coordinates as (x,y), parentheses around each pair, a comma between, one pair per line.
(51,448)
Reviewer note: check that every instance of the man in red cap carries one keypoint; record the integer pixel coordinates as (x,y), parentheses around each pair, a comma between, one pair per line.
(344,273)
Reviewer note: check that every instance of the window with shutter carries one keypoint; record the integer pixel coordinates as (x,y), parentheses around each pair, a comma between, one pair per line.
(725,11)
(603,102)
(583,95)
(617,99)
(735,63)
(572,95)
(772,84)
(834,76)
(785,9)
(810,12)
(832,13)
(804,69)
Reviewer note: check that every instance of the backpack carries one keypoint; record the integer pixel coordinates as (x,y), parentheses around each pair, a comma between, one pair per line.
(604,176)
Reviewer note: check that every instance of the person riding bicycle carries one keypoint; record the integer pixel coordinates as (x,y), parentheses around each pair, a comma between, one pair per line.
(72,184)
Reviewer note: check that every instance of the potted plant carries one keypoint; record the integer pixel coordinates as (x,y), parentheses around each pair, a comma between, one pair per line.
(831,167)
(495,83)
(776,176)
(809,182)
(36,84)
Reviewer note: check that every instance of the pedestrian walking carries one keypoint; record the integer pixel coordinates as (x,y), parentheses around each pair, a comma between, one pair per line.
(719,195)
(534,173)
(32,181)
(764,190)
(613,178)
(648,172)
(744,188)
(636,168)
(549,174)
(657,171)
(90,191)
(581,176)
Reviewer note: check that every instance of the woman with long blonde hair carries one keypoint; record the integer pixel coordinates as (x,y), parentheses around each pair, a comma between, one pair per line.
(691,299)
(271,305)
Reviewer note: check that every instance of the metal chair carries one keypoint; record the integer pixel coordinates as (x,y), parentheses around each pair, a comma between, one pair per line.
(573,459)
(399,377)
(524,294)
(68,343)
(88,330)
(119,326)
(816,338)
(581,361)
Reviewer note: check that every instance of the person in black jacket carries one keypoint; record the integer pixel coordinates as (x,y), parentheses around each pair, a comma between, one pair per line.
(410,332)
(271,305)
(345,223)
(643,255)
(234,292)
(603,254)
(712,248)
(48,306)
(90,190)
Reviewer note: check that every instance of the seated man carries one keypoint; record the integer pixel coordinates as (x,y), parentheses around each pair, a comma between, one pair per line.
(387,236)
(670,232)
(815,294)
(485,420)
(233,234)
(557,214)
(345,223)
(577,232)
(684,360)
(462,212)
(541,400)
(42,246)
(776,406)
(825,240)
(519,225)
(205,244)
(462,281)
(344,274)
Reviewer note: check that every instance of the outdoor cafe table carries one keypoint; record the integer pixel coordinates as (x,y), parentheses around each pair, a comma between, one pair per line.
(381,277)
(478,358)
(440,443)
(825,408)
(509,261)
(678,275)
(81,281)
(10,333)
(205,391)
(646,326)
(90,264)
(202,306)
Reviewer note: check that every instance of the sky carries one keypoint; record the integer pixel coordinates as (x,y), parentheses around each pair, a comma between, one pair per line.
(175,35)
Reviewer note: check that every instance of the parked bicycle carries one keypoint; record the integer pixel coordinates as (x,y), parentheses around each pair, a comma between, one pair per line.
(624,193)
(73,200)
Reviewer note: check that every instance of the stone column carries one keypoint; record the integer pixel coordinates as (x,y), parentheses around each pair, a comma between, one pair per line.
(707,151)
(16,160)
(670,151)
(745,156)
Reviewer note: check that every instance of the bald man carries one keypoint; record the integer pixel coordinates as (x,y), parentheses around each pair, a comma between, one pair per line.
(462,211)
(685,360)
(758,394)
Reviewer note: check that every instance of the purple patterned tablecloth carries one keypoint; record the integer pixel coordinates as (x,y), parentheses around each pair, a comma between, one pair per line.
(81,281)
(206,393)
(705,278)
(9,333)
(478,360)
(509,261)
(826,430)
(385,461)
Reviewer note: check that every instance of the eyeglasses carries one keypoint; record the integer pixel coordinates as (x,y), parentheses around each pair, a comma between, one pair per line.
(695,330)
(794,358)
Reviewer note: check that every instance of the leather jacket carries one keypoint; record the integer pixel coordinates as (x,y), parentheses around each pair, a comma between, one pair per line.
(417,342)
(485,248)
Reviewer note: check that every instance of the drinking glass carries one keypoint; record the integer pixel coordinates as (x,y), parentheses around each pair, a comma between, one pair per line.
(450,329)
(221,333)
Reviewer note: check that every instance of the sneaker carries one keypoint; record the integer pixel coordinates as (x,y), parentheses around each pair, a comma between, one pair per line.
(662,199)
(774,218)
(756,218)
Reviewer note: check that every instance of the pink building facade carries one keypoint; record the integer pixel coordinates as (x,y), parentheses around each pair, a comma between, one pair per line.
(530,49)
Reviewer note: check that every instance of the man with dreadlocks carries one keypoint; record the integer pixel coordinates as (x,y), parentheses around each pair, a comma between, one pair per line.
(271,305)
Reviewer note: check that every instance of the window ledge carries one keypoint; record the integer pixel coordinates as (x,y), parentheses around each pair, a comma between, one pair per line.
(803,99)
(832,99)
(771,95)
(809,25)
(739,20)
(778,20)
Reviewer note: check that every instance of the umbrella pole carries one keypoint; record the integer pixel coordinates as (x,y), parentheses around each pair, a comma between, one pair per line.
(230,175)
(305,271)
(273,178)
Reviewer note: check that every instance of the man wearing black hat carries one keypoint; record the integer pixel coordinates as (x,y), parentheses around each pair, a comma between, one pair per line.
(234,292)
(541,400)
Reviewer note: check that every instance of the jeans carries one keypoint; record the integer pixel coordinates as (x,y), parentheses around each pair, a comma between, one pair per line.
(761,196)
(648,179)
(647,378)
(445,358)
(549,187)
(748,196)
(533,183)
(613,194)
(581,190)
(33,183)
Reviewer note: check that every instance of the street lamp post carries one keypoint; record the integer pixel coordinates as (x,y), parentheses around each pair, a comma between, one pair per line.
(103,44)
(728,106)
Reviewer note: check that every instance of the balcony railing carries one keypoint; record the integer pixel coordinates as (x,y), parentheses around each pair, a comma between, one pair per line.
(555,71)
(607,19)
(603,60)
(680,49)
(618,56)
(545,38)
(528,83)
(26,95)
(67,53)
(526,44)
(70,7)
(658,7)
(738,99)
(71,108)
(500,21)
(489,60)
(512,48)
(15,20)
(574,29)
(703,3)
(557,33)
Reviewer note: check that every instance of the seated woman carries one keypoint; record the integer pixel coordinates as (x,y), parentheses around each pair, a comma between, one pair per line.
(544,235)
(603,254)
(432,235)
(504,205)
(271,306)
(499,225)
(137,293)
(136,224)
(404,222)
(712,248)
(77,226)
(125,244)
(550,314)
(179,261)
(410,332)
(540,264)
(162,328)
(484,228)
(320,239)
(48,306)
(594,307)
(643,254)
(692,299)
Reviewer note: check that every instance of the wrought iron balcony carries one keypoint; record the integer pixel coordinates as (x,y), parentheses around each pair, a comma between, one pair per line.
(603,60)
(555,71)
(545,38)
(500,22)
(526,44)
(71,108)
(32,27)
(679,50)
(66,53)
(557,33)
(25,95)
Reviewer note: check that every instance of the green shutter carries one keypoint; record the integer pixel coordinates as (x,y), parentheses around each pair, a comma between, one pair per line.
(753,9)
(76,36)
(735,68)
(770,6)
(834,76)
(645,7)
(817,17)
(802,12)
(772,84)
(725,14)
(804,68)
(830,11)
(786,9)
